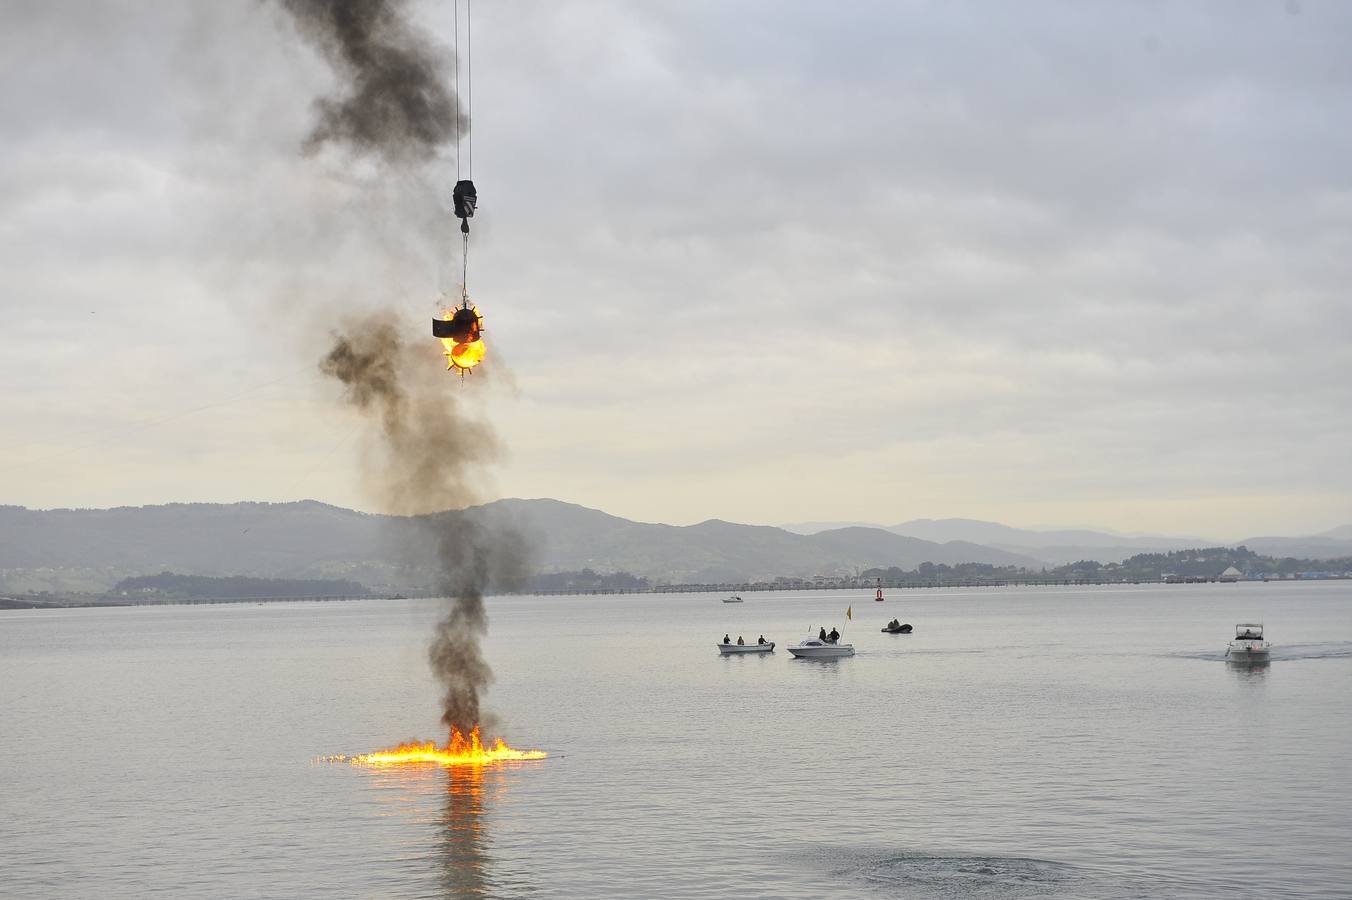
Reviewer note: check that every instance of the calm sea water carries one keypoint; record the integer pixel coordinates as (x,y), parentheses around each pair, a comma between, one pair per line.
(1021,743)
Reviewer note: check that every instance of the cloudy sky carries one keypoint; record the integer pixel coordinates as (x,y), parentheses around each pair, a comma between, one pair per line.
(1045,263)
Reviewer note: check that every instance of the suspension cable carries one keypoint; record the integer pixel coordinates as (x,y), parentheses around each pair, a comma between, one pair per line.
(455,7)
(469,89)
(468,131)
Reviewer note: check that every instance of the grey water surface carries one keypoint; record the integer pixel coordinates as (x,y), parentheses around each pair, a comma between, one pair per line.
(1023,742)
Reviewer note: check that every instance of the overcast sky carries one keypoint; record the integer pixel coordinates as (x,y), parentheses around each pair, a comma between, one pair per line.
(1042,263)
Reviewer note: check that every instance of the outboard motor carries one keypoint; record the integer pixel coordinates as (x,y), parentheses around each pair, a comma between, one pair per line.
(466,198)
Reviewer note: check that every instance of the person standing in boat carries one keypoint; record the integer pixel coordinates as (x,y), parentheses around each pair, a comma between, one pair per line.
(834,635)
(726,639)
(740,642)
(761,639)
(821,635)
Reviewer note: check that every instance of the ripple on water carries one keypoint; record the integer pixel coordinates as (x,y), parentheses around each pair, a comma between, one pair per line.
(926,875)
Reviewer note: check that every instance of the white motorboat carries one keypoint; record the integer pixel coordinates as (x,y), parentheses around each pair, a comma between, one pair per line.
(733,599)
(1248,646)
(730,649)
(816,648)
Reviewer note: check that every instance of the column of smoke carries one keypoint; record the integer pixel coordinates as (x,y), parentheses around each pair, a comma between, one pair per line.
(397,106)
(398,103)
(428,453)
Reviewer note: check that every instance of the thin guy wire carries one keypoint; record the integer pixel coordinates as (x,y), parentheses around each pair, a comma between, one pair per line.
(456,9)
(469,85)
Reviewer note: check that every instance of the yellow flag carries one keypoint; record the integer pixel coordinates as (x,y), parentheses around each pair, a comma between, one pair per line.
(849,613)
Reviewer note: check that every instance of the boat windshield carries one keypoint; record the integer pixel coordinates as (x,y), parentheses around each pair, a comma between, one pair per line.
(1250,631)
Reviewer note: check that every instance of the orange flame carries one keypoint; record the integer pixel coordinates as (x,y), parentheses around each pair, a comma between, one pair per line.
(459,751)
(464,355)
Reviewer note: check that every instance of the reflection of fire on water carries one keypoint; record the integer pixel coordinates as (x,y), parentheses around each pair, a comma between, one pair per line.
(460,750)
(461,862)
(465,861)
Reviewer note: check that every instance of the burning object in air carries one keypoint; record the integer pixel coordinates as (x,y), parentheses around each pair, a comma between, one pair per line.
(461,334)
(460,330)
(460,750)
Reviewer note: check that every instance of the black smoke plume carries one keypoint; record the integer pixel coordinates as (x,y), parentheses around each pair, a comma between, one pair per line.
(396,99)
(427,457)
(428,452)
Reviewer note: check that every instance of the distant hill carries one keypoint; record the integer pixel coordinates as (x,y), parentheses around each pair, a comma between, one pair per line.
(94,549)
(204,536)
(815,527)
(293,540)
(1052,547)
(1063,546)
(569,537)
(1317,547)
(996,534)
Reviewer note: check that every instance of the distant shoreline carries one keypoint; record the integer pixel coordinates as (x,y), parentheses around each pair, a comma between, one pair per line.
(28,602)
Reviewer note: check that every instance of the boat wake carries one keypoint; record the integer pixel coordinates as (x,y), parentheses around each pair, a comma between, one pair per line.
(1279,652)
(1322,650)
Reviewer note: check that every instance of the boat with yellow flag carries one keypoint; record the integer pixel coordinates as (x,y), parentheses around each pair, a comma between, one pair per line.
(824,645)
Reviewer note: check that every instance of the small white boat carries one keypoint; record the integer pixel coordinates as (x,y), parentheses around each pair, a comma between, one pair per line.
(1248,646)
(816,648)
(730,649)
(733,599)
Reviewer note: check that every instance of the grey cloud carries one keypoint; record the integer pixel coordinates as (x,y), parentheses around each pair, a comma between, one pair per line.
(1036,243)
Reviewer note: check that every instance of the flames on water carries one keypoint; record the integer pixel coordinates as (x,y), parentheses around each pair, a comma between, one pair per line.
(460,750)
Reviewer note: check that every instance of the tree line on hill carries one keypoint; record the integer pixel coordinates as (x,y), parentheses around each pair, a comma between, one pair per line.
(1207,562)
(1198,563)
(585,580)
(936,572)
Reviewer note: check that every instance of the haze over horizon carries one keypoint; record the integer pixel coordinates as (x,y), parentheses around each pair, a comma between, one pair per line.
(1045,264)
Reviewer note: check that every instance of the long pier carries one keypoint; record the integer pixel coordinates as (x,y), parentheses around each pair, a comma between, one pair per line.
(51,601)
(763,587)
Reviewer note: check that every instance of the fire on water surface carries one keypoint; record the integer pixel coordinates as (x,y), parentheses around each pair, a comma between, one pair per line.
(461,750)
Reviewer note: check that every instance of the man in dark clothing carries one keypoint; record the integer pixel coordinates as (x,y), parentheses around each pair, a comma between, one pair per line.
(821,635)
(726,639)
(833,636)
(740,642)
(761,639)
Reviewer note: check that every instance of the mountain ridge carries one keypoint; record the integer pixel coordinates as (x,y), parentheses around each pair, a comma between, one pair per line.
(89,549)
(1069,545)
(312,539)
